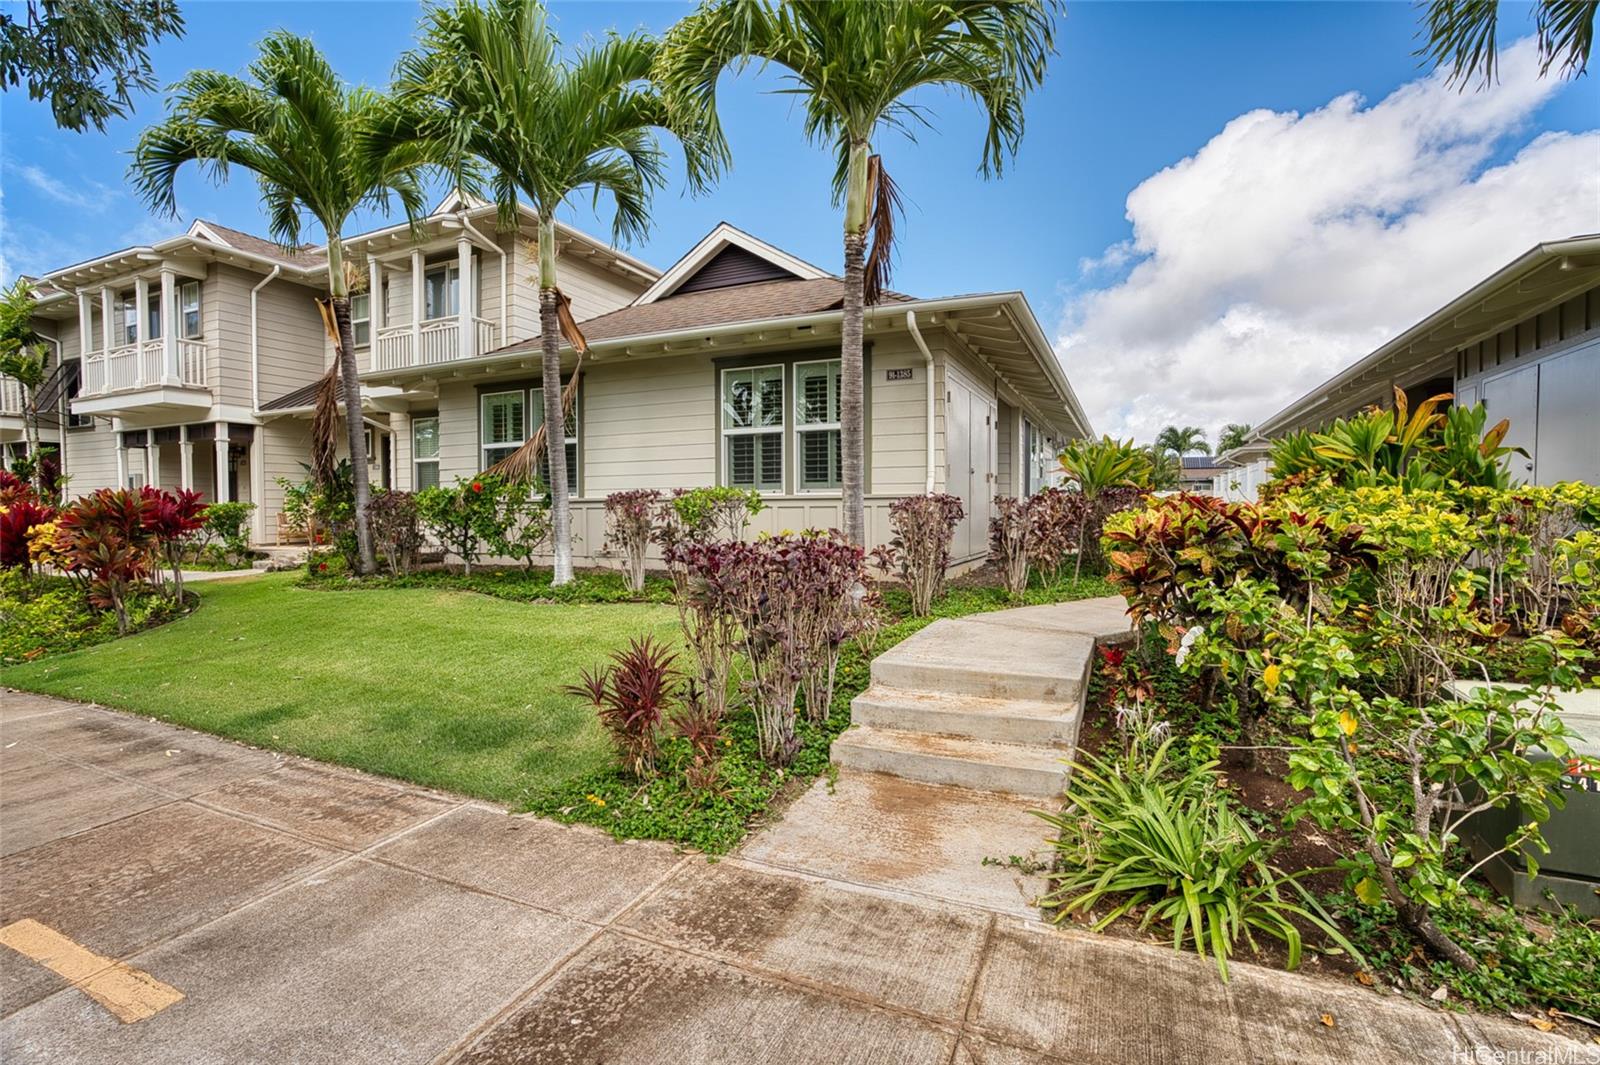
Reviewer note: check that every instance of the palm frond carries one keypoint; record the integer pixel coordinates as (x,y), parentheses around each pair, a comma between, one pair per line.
(884,197)
(325,422)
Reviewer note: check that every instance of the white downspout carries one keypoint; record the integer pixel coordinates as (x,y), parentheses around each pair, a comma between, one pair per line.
(498,250)
(255,343)
(927,361)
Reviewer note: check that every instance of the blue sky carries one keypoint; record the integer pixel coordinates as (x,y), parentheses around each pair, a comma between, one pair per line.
(1137,88)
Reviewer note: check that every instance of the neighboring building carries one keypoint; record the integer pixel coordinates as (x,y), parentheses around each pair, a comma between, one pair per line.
(203,353)
(1199,474)
(1525,342)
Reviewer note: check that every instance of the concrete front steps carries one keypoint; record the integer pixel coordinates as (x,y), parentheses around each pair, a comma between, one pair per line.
(990,702)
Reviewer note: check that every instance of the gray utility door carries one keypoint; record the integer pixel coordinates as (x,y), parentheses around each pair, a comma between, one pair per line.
(969,464)
(1515,396)
(1552,405)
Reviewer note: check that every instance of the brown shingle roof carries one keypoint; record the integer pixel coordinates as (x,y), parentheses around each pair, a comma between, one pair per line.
(305,256)
(720,306)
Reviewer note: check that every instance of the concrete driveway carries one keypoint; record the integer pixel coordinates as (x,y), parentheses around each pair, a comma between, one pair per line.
(169,897)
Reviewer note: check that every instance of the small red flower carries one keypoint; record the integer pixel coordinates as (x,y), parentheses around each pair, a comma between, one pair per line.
(1113,656)
(477,486)
(322,567)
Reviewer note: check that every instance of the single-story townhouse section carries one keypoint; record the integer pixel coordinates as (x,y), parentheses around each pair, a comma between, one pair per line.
(193,362)
(1525,342)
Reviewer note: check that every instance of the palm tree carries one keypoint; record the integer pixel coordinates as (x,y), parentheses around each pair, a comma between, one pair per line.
(1461,35)
(853,65)
(490,83)
(1233,435)
(298,127)
(1181,441)
(22,358)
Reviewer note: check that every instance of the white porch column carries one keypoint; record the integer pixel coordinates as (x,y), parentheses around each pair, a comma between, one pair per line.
(122,453)
(416,306)
(258,485)
(85,318)
(152,460)
(375,300)
(141,326)
(221,447)
(465,302)
(185,459)
(400,451)
(107,308)
(169,328)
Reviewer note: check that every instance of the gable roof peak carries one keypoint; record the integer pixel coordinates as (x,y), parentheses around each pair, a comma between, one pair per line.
(752,252)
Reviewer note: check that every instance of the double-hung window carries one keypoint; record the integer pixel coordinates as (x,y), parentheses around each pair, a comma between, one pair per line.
(504,424)
(536,399)
(189,310)
(441,291)
(152,315)
(361,318)
(817,440)
(752,428)
(425,451)
(125,328)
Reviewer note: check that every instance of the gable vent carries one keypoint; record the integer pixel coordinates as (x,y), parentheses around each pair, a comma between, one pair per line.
(734,265)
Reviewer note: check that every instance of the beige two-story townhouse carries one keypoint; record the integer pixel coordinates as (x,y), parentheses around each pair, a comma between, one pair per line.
(203,353)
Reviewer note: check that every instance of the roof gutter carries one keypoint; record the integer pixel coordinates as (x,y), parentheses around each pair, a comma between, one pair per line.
(1476,294)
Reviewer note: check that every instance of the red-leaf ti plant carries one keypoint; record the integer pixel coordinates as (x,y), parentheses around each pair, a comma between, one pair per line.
(632,695)
(20,511)
(172,519)
(104,536)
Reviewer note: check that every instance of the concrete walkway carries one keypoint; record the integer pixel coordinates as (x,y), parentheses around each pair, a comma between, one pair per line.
(245,907)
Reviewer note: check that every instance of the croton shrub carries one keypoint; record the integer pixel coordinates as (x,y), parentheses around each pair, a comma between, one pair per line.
(1342,615)
(919,550)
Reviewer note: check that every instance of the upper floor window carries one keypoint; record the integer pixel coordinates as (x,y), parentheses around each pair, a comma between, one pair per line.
(503,423)
(189,310)
(752,428)
(361,318)
(441,291)
(96,337)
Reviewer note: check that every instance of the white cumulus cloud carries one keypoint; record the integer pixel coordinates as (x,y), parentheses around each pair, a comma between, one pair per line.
(1292,244)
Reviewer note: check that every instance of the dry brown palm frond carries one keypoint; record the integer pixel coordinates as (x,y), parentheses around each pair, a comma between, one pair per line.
(569,324)
(884,196)
(325,424)
(523,463)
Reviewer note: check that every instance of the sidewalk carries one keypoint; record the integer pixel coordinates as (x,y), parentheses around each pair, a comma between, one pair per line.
(250,907)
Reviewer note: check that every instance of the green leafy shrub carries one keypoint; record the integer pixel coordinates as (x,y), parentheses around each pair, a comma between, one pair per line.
(1171,849)
(461,518)
(229,524)
(49,615)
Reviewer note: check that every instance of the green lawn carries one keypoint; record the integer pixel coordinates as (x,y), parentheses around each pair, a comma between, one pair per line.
(443,688)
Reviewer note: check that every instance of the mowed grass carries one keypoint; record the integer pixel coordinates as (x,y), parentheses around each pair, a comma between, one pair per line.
(446,689)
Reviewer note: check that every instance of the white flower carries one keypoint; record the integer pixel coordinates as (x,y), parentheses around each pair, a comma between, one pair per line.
(1187,642)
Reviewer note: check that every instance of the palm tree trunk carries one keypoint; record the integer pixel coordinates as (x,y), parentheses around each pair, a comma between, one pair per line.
(852,427)
(349,379)
(555,435)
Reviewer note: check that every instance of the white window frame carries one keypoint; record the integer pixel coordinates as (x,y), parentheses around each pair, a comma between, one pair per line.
(418,460)
(536,405)
(449,268)
(815,427)
(361,319)
(125,330)
(185,290)
(781,430)
(95,341)
(484,445)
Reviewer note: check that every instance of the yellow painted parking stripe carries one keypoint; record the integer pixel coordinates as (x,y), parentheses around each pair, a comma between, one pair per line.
(129,994)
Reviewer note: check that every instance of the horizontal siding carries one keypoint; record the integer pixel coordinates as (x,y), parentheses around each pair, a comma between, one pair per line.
(91,459)
(293,345)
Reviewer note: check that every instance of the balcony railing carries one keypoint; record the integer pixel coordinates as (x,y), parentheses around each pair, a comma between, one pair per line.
(136,366)
(10,395)
(438,340)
